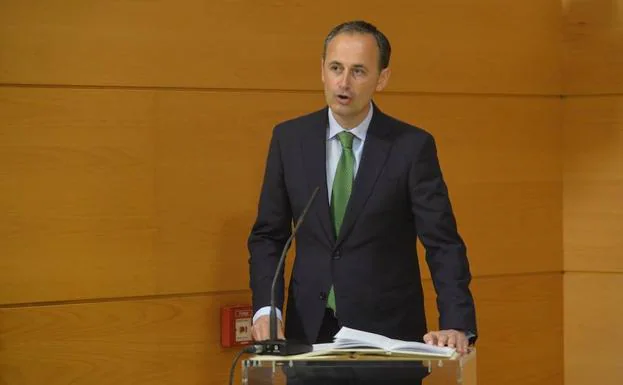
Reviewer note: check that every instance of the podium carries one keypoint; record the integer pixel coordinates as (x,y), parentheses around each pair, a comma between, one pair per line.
(355,369)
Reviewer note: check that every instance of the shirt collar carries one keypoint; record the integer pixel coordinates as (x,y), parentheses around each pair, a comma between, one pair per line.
(360,131)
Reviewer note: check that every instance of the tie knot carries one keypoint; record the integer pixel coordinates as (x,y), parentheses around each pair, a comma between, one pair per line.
(346,139)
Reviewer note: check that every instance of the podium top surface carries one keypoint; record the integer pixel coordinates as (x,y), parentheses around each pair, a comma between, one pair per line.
(367,355)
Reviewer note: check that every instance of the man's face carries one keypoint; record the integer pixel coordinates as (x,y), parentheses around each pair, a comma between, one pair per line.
(350,74)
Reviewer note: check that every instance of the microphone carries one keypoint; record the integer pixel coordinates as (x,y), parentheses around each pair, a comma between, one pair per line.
(275,346)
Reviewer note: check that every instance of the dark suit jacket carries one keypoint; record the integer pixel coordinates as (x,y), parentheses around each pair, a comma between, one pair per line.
(398,194)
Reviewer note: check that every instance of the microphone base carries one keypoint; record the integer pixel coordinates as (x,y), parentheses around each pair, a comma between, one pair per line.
(281,348)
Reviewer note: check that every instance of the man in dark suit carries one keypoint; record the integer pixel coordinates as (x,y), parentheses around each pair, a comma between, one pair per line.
(380,187)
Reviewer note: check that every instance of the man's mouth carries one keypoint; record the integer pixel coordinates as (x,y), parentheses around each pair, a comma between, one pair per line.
(342,98)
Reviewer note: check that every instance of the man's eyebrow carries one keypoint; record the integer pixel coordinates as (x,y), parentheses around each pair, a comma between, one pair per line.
(335,62)
(358,66)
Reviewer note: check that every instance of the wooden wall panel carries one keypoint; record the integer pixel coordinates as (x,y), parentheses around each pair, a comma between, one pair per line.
(164,189)
(593,48)
(593,172)
(593,187)
(145,341)
(176,340)
(76,193)
(486,46)
(520,323)
(592,324)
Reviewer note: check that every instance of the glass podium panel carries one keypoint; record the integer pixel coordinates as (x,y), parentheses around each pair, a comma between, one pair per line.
(359,369)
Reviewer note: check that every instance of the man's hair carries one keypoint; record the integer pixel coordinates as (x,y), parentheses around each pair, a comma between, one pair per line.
(360,26)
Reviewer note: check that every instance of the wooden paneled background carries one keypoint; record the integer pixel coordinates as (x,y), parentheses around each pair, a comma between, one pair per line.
(593,191)
(132,142)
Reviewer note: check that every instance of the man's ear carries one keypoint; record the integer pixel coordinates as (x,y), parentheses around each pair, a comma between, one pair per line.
(383,79)
(322,69)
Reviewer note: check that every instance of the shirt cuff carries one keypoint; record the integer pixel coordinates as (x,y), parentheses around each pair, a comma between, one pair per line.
(265,311)
(471,336)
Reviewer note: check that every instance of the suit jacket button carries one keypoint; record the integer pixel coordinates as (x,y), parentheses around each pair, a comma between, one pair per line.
(336,254)
(323,296)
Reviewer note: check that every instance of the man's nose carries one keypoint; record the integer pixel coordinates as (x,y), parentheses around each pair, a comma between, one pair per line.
(344,81)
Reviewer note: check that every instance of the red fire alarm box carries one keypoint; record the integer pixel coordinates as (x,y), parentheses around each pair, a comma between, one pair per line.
(236,322)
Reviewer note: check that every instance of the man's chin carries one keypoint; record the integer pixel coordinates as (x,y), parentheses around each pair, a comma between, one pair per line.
(342,109)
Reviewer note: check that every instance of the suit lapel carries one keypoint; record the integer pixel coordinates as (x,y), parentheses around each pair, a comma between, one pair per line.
(375,151)
(314,151)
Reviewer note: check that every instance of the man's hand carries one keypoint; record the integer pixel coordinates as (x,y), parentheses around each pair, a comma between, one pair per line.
(451,338)
(261,329)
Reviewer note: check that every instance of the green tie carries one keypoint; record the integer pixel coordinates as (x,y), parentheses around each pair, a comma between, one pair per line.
(342,186)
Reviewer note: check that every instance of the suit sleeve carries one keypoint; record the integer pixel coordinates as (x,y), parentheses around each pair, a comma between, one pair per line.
(446,253)
(270,230)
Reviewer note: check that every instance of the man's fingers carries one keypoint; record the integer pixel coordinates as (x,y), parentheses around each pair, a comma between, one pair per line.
(429,338)
(261,329)
(462,343)
(452,340)
(255,333)
(442,339)
(259,333)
